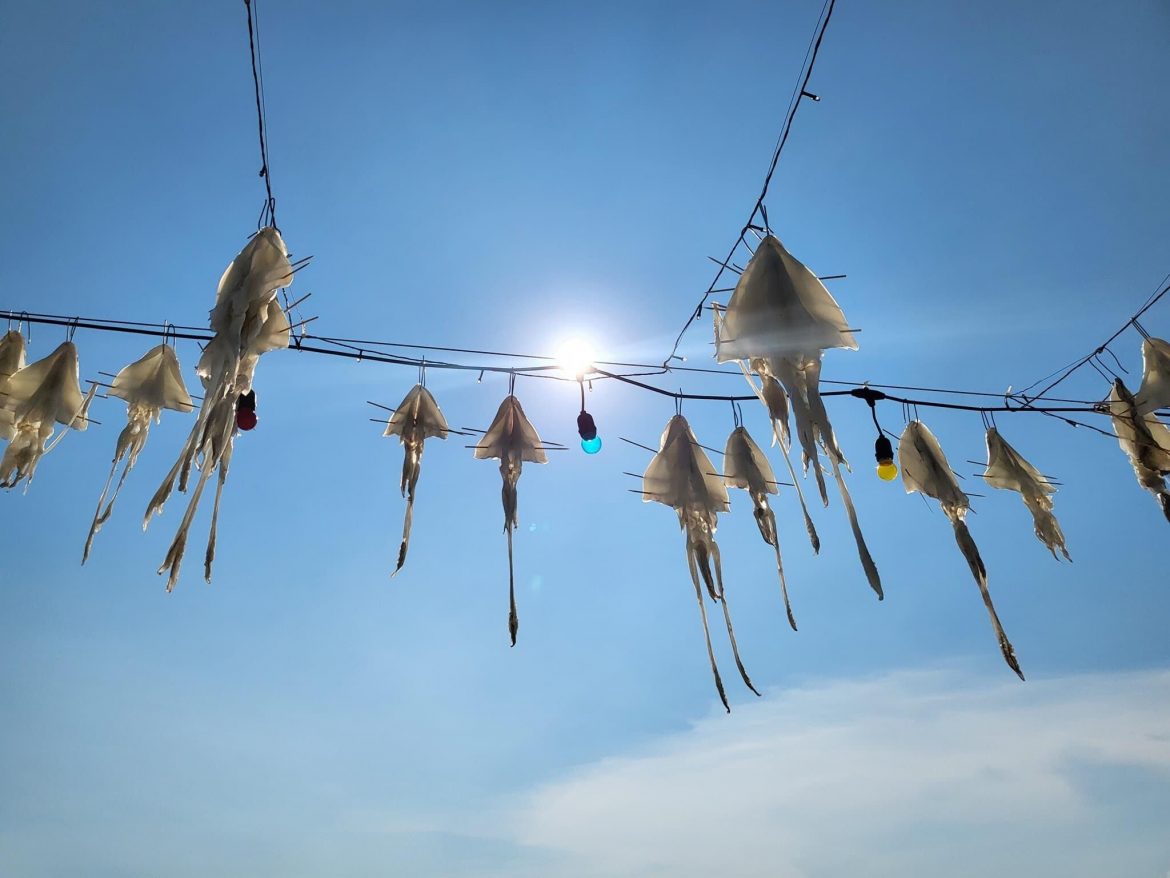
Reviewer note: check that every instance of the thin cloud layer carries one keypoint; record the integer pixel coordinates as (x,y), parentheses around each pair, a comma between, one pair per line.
(905,774)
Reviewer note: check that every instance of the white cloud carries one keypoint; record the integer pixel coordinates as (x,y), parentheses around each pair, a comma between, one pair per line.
(905,774)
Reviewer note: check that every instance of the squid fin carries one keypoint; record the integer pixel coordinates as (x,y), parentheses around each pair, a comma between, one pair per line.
(871,571)
(706,632)
(975,562)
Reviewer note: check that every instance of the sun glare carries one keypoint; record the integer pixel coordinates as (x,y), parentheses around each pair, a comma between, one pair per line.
(575,358)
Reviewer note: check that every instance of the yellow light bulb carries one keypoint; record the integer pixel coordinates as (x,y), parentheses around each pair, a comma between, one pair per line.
(886,471)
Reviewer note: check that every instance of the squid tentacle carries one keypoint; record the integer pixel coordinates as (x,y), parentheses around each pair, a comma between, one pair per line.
(706,631)
(979,572)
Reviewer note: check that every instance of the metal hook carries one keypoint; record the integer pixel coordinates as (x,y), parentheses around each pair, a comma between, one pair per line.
(170,333)
(1140,328)
(422,372)
(71,329)
(512,382)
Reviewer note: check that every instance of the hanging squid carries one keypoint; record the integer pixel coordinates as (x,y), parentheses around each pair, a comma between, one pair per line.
(513,440)
(248,322)
(1154,393)
(681,476)
(745,466)
(35,397)
(1007,469)
(925,470)
(416,419)
(780,319)
(1145,441)
(148,385)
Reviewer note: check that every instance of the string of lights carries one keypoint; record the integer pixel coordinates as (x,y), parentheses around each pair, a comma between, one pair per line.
(370,351)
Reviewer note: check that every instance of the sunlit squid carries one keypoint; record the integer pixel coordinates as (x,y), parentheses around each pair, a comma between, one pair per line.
(925,469)
(35,397)
(514,441)
(777,324)
(745,466)
(148,385)
(1145,441)
(681,476)
(1007,469)
(248,322)
(416,419)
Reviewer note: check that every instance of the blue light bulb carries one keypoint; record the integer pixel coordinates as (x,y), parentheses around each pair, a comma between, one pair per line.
(591,446)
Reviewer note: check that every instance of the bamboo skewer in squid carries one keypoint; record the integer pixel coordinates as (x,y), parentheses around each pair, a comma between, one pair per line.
(35,397)
(925,470)
(681,476)
(745,466)
(416,419)
(148,385)
(780,319)
(248,322)
(1007,469)
(514,441)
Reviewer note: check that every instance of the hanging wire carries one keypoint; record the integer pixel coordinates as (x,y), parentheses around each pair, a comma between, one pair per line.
(268,212)
(172,333)
(1063,374)
(798,95)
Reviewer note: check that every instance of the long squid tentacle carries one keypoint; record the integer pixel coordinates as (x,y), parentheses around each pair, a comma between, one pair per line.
(224,462)
(727,618)
(975,562)
(98,518)
(767,520)
(411,466)
(706,631)
(871,571)
(513,617)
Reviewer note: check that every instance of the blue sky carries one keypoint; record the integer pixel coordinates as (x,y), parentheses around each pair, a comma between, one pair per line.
(992,179)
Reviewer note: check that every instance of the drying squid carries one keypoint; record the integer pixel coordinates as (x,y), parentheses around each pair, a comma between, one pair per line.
(247,322)
(681,476)
(148,385)
(779,320)
(513,440)
(745,466)
(35,397)
(1145,441)
(925,470)
(416,419)
(1007,469)
(1154,392)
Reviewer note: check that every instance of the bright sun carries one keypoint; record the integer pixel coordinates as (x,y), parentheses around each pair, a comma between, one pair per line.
(575,358)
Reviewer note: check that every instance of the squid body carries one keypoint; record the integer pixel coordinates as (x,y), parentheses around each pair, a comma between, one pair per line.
(746,467)
(779,321)
(681,476)
(416,419)
(247,322)
(1145,441)
(513,441)
(148,385)
(36,397)
(925,470)
(1007,469)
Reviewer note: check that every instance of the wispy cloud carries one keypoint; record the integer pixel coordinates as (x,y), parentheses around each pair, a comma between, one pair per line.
(904,774)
